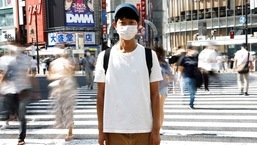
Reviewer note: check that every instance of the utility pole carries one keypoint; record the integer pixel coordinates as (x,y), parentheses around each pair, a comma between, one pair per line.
(35,13)
(246,23)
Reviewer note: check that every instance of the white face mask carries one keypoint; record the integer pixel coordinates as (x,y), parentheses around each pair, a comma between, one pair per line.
(127,32)
(88,54)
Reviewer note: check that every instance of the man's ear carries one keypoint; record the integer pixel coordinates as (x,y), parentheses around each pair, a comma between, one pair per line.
(114,24)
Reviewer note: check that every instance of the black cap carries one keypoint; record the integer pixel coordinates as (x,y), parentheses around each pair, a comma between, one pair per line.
(125,5)
(244,45)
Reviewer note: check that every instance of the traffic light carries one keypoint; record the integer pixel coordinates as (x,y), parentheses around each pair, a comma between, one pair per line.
(232,34)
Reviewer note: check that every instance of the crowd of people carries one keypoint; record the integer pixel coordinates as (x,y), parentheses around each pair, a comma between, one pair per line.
(129,102)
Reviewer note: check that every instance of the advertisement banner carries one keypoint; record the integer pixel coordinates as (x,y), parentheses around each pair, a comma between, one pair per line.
(55,38)
(70,38)
(79,13)
(89,37)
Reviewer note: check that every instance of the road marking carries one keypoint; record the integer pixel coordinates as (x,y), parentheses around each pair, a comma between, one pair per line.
(95,142)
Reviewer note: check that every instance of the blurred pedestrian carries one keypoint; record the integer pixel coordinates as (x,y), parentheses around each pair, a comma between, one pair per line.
(89,67)
(44,67)
(167,76)
(81,66)
(186,70)
(181,52)
(17,87)
(207,62)
(243,57)
(63,91)
(33,67)
(128,102)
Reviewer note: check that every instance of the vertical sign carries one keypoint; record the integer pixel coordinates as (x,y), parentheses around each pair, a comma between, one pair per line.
(103,4)
(143,10)
(252,5)
(104,20)
(138,5)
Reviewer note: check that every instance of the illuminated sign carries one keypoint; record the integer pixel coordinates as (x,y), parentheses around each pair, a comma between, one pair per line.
(79,13)
(69,37)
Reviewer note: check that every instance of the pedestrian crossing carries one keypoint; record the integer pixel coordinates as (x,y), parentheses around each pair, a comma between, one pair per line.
(221,118)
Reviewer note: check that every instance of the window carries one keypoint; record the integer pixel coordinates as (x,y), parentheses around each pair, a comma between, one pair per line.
(6,20)
(2,3)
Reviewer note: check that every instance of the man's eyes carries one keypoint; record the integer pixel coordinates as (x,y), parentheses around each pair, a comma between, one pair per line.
(127,23)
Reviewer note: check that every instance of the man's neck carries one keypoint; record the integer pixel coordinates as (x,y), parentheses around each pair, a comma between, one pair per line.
(126,46)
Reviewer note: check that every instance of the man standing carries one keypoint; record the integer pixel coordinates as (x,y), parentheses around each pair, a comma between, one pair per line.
(128,102)
(242,56)
(89,67)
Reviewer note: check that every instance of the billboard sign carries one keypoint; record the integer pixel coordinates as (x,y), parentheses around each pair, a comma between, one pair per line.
(69,37)
(89,37)
(79,13)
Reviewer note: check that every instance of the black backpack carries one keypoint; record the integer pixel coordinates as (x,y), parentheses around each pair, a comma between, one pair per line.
(148,57)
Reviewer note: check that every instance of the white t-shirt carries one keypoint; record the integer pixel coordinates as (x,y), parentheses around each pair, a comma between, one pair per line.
(241,56)
(207,59)
(18,79)
(33,63)
(127,102)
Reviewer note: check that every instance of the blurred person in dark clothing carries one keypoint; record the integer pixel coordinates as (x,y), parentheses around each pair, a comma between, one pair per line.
(167,76)
(17,87)
(89,67)
(186,71)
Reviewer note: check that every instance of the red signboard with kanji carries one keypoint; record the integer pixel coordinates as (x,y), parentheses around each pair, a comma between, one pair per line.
(143,11)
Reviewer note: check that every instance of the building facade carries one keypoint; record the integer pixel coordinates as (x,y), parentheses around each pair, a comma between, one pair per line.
(8,21)
(213,21)
(75,23)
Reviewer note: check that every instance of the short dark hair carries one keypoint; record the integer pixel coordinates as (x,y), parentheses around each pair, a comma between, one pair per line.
(127,13)
(244,45)
(160,52)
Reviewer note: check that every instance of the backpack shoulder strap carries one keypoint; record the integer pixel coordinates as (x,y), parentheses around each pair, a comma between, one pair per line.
(148,57)
(106,59)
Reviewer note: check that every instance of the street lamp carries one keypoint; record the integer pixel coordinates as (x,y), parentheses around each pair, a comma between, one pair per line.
(246,23)
(32,34)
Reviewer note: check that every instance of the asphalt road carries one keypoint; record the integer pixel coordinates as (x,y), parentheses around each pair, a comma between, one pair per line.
(81,81)
(221,117)
(44,90)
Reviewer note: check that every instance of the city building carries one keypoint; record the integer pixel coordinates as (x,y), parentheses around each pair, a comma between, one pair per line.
(225,23)
(35,23)
(9,22)
(75,23)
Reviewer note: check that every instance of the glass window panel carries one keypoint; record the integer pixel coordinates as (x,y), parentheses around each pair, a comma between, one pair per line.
(5,3)
(1,3)
(9,19)
(2,20)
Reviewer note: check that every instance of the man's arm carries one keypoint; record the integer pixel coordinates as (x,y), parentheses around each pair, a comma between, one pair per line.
(155,100)
(100,108)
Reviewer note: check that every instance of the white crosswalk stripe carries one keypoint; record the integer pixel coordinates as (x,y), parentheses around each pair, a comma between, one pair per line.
(220,118)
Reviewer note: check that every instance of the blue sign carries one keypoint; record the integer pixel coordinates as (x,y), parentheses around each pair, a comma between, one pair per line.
(242,20)
(104,19)
(79,13)
(70,37)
